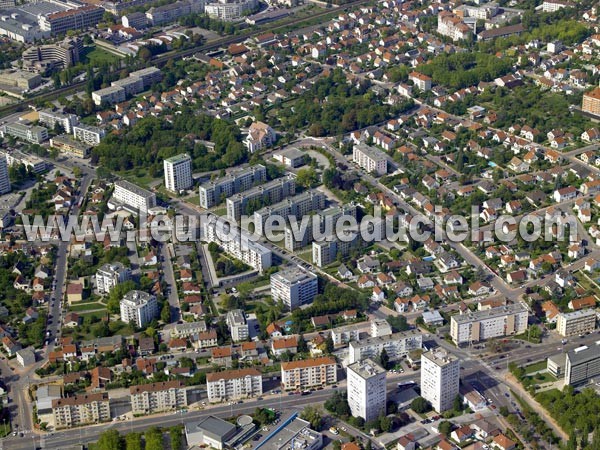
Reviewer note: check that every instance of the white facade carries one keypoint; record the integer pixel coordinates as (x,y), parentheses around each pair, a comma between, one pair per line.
(308,373)
(236,320)
(158,397)
(578,322)
(440,376)
(396,345)
(51,118)
(233,385)
(237,244)
(294,287)
(4,178)
(138,307)
(88,134)
(109,275)
(496,322)
(215,192)
(229,10)
(133,196)
(371,159)
(366,389)
(178,173)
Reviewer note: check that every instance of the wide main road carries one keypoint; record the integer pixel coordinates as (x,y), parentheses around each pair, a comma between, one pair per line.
(85,435)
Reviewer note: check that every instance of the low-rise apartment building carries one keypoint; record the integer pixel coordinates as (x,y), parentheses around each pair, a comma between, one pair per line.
(266,194)
(215,192)
(369,158)
(233,385)
(158,397)
(577,322)
(133,197)
(80,410)
(294,287)
(495,322)
(396,345)
(308,373)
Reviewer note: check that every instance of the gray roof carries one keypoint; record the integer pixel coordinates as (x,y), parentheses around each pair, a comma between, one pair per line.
(584,354)
(490,313)
(213,427)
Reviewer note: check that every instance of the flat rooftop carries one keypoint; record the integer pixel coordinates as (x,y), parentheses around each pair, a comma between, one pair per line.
(515,308)
(584,354)
(367,368)
(439,357)
(291,427)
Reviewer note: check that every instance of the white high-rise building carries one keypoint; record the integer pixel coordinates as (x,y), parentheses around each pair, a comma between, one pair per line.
(440,376)
(178,173)
(366,389)
(4,179)
(236,320)
(294,287)
(139,307)
(111,274)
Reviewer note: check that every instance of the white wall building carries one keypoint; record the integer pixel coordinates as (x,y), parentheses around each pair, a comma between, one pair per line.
(440,376)
(366,389)
(133,196)
(396,345)
(138,307)
(294,287)
(308,373)
(178,173)
(4,178)
(111,274)
(236,321)
(577,322)
(496,322)
(88,134)
(233,384)
(158,397)
(371,159)
(237,243)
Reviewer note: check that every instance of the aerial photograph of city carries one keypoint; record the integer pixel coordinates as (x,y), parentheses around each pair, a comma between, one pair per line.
(300,224)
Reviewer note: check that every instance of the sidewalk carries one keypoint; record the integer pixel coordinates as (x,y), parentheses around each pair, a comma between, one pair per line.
(533,404)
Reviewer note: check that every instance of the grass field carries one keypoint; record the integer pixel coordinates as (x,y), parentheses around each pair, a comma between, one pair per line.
(98,56)
(535,367)
(86,306)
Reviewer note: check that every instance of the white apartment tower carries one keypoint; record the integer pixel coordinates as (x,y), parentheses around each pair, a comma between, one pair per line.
(4,179)
(366,389)
(236,320)
(178,173)
(440,376)
(294,287)
(139,307)
(111,274)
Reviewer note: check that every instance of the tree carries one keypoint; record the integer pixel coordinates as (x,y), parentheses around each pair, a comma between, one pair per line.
(165,314)
(307,177)
(458,404)
(384,359)
(110,440)
(398,323)
(133,441)
(385,424)
(369,445)
(329,344)
(154,439)
(445,428)
(302,346)
(420,405)
(312,415)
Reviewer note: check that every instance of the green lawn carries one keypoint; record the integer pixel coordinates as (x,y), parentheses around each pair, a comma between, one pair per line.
(535,367)
(86,306)
(98,56)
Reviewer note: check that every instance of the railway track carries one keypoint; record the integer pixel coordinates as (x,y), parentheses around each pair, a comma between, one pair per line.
(163,58)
